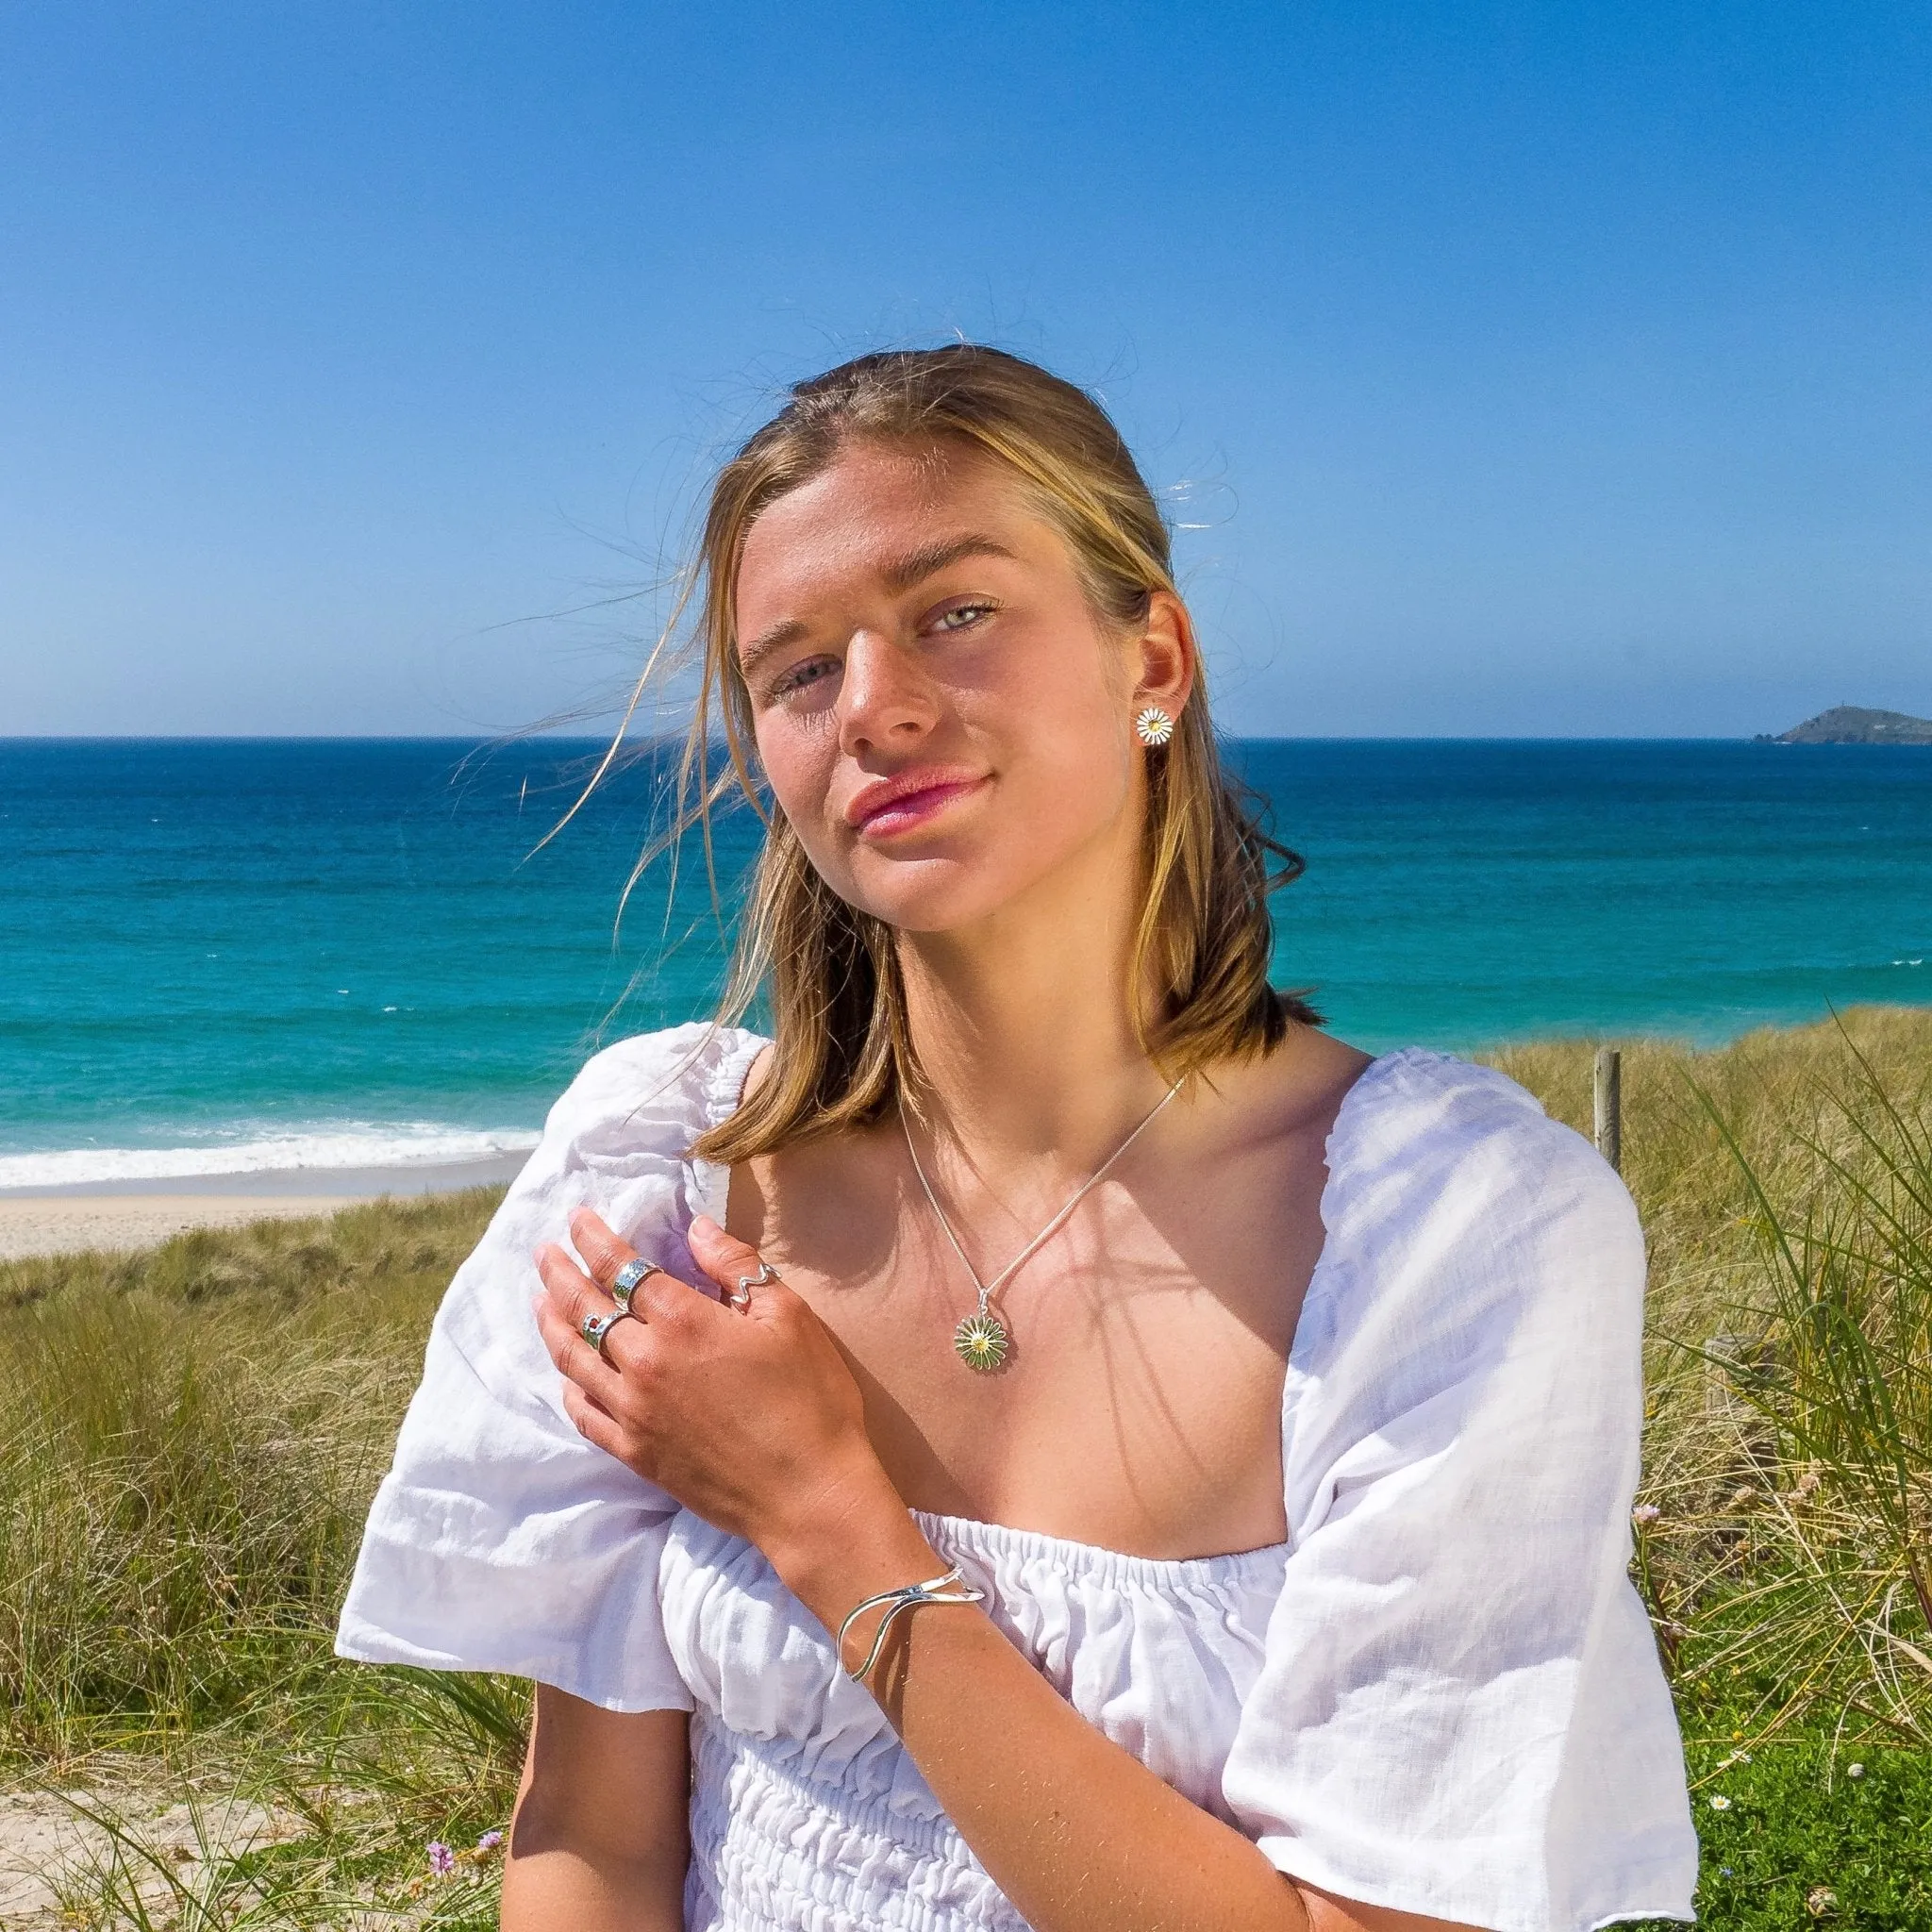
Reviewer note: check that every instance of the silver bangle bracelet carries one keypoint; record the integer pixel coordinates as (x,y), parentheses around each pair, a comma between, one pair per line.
(938,1589)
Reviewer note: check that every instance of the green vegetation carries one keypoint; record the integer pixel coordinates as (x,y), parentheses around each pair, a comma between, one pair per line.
(1787,1188)
(1785,1523)
(1807,1830)
(189,1438)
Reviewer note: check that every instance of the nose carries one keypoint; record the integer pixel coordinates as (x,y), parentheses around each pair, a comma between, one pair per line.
(885,702)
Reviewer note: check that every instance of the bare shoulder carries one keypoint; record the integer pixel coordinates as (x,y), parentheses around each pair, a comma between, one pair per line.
(833,1197)
(1293,1096)
(758,1071)
(1315,1071)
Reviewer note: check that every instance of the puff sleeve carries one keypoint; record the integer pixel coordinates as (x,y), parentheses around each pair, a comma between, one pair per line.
(1460,1710)
(500,1538)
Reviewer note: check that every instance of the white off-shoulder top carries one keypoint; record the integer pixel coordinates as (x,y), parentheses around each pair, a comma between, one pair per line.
(1440,1694)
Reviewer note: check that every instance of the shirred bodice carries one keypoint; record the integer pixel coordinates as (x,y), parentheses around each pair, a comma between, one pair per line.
(1158,1655)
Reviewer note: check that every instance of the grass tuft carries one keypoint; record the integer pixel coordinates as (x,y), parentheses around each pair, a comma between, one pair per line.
(189,1440)
(1786,1187)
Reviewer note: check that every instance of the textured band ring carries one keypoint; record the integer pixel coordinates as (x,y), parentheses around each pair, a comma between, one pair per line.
(741,1297)
(631,1277)
(595,1328)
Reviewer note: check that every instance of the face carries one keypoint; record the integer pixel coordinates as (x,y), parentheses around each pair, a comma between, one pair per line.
(943,719)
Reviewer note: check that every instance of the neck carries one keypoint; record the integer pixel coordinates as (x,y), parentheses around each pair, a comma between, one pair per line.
(1022,1027)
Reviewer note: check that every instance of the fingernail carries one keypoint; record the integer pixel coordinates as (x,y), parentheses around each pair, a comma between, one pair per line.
(705,1223)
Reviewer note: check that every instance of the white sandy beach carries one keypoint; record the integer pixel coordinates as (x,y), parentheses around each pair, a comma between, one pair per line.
(63,1224)
(60,1220)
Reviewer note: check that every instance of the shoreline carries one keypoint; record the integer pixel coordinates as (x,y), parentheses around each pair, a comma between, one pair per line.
(119,1215)
(115,1215)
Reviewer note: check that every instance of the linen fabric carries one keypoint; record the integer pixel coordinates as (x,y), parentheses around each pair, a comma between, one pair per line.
(1440,1694)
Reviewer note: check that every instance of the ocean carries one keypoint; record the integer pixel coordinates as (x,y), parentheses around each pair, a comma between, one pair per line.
(229,956)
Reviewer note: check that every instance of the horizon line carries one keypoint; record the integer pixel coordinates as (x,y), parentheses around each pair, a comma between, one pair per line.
(506,739)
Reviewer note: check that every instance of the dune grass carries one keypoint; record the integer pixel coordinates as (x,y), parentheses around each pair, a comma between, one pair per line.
(189,1438)
(1786,1186)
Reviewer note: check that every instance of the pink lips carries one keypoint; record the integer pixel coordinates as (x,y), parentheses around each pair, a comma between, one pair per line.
(892,805)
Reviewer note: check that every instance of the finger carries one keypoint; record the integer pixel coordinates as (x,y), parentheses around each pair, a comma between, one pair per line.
(725,1258)
(657,1296)
(592,1423)
(576,1360)
(574,1298)
(603,1251)
(574,1292)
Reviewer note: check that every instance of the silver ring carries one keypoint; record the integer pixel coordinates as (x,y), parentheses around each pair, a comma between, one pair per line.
(596,1328)
(630,1277)
(741,1297)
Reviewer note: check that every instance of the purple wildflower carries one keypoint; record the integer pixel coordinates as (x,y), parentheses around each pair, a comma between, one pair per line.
(442,1861)
(1645,1512)
(490,1841)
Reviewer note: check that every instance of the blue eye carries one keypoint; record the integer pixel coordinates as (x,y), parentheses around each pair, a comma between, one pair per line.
(811,671)
(962,615)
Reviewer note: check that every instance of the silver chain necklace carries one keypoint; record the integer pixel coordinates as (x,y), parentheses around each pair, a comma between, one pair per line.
(982,1340)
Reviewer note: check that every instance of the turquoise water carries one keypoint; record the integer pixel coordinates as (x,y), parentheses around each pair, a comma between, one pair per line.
(223,955)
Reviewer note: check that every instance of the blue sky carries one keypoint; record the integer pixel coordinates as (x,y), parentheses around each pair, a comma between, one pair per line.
(1528,369)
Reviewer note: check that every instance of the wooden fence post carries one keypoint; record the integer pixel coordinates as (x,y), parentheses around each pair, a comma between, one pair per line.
(1610,1106)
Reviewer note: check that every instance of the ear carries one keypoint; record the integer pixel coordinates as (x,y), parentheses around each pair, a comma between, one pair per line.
(1165,656)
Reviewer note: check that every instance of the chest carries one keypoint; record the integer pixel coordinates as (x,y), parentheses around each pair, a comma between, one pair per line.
(1139,1409)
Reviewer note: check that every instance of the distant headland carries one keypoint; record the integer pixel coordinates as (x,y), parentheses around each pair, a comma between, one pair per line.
(1849,725)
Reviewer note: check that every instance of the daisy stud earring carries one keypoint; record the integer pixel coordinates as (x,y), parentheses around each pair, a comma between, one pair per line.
(1153,726)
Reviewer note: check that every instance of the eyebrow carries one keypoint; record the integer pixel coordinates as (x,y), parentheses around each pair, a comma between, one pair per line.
(899,577)
(761,647)
(928,561)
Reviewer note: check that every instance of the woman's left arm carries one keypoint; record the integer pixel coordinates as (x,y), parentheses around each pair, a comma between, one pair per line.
(756,1423)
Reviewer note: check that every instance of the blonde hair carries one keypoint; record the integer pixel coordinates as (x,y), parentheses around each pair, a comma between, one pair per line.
(843,1051)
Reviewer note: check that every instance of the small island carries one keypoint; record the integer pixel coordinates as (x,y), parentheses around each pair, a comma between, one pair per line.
(1850,725)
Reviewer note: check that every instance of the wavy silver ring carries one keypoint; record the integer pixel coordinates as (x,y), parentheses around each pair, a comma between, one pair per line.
(596,1328)
(631,1277)
(741,1297)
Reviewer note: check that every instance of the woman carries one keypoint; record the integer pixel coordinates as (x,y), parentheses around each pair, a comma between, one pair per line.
(1250,1551)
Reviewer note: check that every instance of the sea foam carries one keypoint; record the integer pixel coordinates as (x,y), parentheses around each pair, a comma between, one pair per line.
(336,1146)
